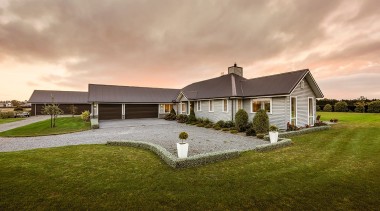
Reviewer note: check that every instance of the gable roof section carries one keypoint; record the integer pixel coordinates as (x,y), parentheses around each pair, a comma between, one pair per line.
(130,94)
(219,87)
(60,97)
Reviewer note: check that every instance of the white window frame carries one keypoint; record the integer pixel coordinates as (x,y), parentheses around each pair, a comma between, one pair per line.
(223,102)
(182,110)
(211,106)
(237,104)
(308,110)
(296,110)
(262,105)
(199,105)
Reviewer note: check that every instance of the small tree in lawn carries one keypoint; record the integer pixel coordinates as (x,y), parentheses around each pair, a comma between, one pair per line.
(183,136)
(73,110)
(53,110)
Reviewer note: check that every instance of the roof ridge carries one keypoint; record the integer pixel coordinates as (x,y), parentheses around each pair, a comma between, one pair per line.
(144,87)
(279,74)
(44,90)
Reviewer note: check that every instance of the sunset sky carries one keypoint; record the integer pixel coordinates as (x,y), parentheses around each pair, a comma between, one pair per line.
(67,44)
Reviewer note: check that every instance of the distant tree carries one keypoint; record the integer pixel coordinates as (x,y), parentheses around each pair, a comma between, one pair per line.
(340,106)
(18,108)
(15,103)
(360,106)
(327,108)
(374,107)
(73,110)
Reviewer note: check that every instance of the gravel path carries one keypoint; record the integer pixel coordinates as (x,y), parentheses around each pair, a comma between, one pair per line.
(164,133)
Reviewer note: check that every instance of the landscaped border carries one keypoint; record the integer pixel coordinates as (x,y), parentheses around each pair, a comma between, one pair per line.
(288,134)
(196,160)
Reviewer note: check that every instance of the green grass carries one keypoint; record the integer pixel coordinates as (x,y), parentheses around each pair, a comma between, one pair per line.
(42,128)
(8,120)
(334,169)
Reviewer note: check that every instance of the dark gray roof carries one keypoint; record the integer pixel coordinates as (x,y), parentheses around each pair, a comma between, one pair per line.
(130,94)
(60,97)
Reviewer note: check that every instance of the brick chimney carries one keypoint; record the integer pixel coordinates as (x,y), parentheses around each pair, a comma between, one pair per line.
(235,69)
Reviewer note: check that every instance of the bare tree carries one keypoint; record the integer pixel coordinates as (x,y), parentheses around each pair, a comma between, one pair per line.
(53,110)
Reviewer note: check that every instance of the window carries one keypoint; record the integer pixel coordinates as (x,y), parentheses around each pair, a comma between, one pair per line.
(210,105)
(311,111)
(225,105)
(168,108)
(293,113)
(258,104)
(199,105)
(239,104)
(183,108)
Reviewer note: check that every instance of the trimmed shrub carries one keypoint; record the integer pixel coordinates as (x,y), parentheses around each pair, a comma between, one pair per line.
(85,116)
(374,107)
(220,123)
(261,122)
(229,124)
(192,117)
(273,128)
(183,136)
(170,117)
(260,135)
(182,118)
(241,120)
(225,129)
(217,127)
(340,106)
(234,131)
(327,108)
(250,132)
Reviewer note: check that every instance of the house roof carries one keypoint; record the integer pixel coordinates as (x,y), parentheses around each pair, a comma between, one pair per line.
(60,97)
(130,94)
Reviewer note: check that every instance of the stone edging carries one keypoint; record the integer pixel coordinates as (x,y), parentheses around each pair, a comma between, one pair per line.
(196,160)
(288,134)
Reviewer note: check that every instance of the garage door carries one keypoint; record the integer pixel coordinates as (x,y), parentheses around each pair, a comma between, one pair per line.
(136,111)
(109,111)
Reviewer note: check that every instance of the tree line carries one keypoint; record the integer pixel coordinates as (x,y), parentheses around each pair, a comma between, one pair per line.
(360,105)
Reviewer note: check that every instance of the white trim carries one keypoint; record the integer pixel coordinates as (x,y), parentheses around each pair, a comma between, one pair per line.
(223,105)
(291,109)
(123,111)
(308,110)
(213,104)
(261,106)
(181,105)
(237,104)
(199,105)
(268,96)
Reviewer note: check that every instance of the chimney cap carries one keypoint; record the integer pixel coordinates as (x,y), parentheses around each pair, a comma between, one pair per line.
(235,65)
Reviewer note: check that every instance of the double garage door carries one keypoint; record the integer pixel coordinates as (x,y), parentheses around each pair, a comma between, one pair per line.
(132,111)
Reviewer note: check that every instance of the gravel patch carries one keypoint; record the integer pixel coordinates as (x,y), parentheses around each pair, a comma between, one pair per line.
(157,131)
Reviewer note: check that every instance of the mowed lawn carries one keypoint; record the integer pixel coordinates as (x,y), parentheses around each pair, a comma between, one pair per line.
(42,128)
(335,169)
(8,120)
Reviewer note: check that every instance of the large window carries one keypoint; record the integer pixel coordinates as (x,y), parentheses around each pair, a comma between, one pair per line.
(311,111)
(257,104)
(184,108)
(210,105)
(225,105)
(239,104)
(293,115)
(199,105)
(168,108)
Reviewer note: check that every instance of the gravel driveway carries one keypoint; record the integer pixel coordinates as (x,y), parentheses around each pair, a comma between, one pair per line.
(164,133)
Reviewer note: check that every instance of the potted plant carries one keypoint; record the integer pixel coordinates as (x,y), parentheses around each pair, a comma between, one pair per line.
(273,134)
(182,147)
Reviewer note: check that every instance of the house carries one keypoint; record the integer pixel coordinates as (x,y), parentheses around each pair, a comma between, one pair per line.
(64,99)
(287,97)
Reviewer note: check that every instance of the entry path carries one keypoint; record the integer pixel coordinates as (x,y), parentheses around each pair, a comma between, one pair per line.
(157,131)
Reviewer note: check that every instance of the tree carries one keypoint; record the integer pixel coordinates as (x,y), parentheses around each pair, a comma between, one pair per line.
(15,103)
(53,110)
(327,107)
(261,122)
(340,106)
(241,120)
(73,110)
(360,107)
(374,107)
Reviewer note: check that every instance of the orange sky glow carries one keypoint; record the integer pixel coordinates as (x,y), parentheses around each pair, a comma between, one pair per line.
(67,44)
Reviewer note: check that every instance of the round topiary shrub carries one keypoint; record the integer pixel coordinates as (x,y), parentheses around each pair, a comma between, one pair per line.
(241,120)
(340,106)
(261,122)
(183,136)
(374,107)
(327,108)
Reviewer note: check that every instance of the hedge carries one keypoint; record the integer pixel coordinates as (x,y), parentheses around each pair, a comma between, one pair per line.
(283,142)
(288,134)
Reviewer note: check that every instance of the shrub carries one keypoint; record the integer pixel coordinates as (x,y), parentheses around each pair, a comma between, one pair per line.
(170,117)
(318,118)
(217,127)
(200,124)
(18,108)
(6,115)
(359,108)
(173,112)
(318,124)
(340,106)
(183,136)
(318,108)
(207,121)
(229,124)
(250,132)
(273,128)
(225,129)
(260,135)
(374,107)
(85,116)
(192,117)
(208,125)
(182,118)
(241,120)
(220,123)
(291,127)
(261,121)
(327,108)
(234,131)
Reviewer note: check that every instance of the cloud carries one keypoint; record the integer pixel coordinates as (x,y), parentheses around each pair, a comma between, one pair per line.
(173,43)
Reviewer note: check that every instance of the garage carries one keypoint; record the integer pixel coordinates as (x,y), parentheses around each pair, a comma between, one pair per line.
(110,111)
(138,111)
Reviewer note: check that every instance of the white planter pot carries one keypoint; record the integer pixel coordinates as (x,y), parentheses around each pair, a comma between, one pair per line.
(273,137)
(182,149)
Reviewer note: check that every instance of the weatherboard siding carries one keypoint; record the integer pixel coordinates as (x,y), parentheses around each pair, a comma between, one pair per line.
(217,114)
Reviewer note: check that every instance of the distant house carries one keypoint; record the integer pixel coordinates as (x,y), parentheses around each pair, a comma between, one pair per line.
(9,104)
(287,97)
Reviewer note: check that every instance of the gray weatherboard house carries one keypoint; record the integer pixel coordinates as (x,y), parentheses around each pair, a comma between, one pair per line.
(287,97)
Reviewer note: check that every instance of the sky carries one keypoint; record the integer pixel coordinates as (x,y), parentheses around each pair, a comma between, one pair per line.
(67,44)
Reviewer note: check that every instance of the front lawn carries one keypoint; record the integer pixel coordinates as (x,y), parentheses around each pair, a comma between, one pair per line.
(42,128)
(8,120)
(336,169)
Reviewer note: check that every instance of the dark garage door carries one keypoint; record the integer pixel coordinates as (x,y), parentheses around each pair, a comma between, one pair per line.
(109,111)
(135,111)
